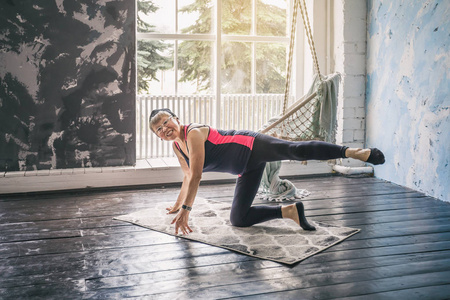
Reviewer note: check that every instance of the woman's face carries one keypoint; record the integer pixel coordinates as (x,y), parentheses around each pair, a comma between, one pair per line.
(167,128)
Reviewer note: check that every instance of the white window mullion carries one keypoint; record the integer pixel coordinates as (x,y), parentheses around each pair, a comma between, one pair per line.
(175,65)
(175,52)
(218,59)
(253,29)
(328,42)
(180,36)
(319,28)
(289,10)
(253,33)
(299,61)
(262,39)
(176,16)
(253,68)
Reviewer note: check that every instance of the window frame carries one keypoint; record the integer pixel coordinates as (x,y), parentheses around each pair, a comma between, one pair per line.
(302,71)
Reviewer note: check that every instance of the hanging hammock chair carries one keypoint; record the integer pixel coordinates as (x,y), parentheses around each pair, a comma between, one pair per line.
(312,117)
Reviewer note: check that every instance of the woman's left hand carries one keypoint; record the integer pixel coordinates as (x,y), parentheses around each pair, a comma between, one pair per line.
(181,222)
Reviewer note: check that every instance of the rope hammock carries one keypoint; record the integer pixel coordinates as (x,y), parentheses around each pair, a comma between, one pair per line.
(312,117)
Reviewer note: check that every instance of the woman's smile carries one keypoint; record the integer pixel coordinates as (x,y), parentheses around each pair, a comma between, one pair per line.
(169,132)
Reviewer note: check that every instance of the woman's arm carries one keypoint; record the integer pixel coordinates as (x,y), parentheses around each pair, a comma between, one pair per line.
(196,145)
(184,186)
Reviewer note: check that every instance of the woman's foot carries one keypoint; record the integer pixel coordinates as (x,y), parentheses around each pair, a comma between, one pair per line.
(376,157)
(370,155)
(296,212)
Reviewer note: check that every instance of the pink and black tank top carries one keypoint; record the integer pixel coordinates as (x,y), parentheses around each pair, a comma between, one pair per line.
(225,150)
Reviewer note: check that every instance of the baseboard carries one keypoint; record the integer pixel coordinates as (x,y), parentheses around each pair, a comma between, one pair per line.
(138,176)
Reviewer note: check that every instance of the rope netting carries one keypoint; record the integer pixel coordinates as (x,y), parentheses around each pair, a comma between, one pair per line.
(300,123)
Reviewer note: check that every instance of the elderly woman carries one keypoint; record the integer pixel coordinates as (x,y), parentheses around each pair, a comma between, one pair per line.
(200,148)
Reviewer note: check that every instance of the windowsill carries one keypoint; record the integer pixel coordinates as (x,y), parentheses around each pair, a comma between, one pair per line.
(147,172)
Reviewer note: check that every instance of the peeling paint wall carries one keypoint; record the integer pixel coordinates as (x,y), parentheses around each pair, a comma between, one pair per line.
(408,92)
(67,84)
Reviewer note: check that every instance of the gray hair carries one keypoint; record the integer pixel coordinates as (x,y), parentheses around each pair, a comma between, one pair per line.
(157,114)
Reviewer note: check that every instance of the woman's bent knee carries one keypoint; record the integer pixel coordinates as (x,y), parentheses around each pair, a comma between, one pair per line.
(238,221)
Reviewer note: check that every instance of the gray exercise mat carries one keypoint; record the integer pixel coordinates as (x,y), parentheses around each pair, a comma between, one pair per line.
(277,240)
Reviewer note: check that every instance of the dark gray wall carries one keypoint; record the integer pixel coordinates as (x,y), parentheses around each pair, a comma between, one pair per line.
(67,84)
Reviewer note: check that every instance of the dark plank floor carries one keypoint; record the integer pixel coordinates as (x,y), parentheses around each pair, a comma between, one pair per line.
(67,246)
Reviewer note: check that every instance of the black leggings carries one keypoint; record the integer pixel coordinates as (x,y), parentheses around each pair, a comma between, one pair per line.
(267,149)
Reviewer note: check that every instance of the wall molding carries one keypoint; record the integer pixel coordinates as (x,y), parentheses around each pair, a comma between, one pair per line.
(166,173)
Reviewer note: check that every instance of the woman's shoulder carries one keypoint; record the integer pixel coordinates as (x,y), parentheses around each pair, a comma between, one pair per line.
(201,130)
(196,126)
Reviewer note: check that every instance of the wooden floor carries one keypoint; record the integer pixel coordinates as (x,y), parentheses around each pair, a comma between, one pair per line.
(67,246)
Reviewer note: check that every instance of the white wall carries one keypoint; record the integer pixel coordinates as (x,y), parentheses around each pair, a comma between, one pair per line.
(349,24)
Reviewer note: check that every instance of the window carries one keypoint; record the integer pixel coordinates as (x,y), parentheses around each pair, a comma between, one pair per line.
(194,47)
(219,62)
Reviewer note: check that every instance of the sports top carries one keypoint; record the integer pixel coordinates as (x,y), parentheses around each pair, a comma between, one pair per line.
(225,150)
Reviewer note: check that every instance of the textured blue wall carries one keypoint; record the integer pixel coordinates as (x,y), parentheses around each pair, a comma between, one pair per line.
(407,92)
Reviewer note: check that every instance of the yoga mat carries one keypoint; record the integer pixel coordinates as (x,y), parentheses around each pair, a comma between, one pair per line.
(278,240)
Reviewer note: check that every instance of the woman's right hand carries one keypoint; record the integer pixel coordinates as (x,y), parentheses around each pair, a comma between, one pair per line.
(173,209)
